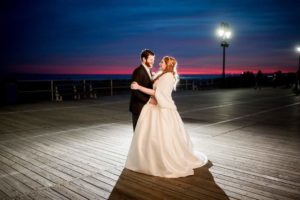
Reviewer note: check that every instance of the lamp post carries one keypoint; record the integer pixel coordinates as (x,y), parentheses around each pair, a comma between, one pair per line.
(224,33)
(298,50)
(298,72)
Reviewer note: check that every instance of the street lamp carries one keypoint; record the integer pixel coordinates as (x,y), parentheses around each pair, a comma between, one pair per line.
(224,33)
(298,72)
(298,51)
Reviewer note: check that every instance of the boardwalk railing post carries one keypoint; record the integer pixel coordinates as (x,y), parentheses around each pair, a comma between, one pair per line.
(194,85)
(111,87)
(84,89)
(186,84)
(52,92)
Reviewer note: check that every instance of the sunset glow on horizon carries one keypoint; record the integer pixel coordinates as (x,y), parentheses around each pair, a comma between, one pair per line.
(106,37)
(83,70)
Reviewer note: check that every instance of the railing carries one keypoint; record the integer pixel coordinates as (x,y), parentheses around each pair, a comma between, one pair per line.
(60,90)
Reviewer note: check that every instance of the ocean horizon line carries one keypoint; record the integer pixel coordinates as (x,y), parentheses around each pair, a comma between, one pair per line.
(76,77)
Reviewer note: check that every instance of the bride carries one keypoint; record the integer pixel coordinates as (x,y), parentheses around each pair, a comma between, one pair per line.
(160,145)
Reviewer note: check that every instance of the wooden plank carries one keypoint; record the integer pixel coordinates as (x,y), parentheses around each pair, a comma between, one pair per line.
(262,147)
(259,182)
(97,142)
(27,197)
(8,171)
(68,193)
(127,190)
(92,160)
(32,154)
(59,157)
(43,195)
(48,157)
(266,159)
(244,153)
(82,191)
(105,179)
(52,194)
(208,191)
(262,191)
(253,137)
(165,187)
(27,172)
(256,174)
(67,155)
(85,157)
(103,193)
(258,170)
(15,183)
(89,188)
(8,190)
(86,150)
(2,194)
(98,183)
(44,170)
(110,175)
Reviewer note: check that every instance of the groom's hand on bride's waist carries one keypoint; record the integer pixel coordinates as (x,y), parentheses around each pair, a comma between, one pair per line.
(153,101)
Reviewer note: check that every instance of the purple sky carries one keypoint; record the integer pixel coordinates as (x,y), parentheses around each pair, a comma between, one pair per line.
(90,37)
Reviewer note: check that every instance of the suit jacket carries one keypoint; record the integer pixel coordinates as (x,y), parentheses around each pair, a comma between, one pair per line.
(139,99)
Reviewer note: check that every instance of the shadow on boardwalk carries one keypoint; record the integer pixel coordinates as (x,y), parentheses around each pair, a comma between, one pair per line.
(133,185)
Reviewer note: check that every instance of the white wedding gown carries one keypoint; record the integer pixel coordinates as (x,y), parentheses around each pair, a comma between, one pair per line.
(160,144)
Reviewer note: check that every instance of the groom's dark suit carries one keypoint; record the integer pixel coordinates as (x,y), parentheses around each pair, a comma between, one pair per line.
(139,99)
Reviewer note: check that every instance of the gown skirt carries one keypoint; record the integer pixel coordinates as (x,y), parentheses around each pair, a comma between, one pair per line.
(161,146)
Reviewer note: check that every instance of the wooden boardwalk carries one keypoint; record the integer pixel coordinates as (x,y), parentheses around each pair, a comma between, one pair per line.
(77,150)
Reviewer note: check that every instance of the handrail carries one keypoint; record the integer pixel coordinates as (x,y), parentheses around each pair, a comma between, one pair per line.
(57,89)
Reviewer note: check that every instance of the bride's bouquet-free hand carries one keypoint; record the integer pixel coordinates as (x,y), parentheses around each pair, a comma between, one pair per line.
(134,86)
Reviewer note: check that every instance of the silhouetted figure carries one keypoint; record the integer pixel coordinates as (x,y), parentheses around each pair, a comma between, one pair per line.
(277,79)
(248,79)
(297,83)
(290,79)
(258,80)
(274,81)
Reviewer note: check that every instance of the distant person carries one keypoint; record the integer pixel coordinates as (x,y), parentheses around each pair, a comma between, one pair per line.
(274,80)
(298,78)
(160,144)
(143,76)
(258,80)
(297,83)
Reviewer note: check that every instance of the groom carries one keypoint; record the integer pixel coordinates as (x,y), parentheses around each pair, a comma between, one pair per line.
(143,76)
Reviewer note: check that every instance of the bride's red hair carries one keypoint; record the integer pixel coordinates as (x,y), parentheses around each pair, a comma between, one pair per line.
(171,64)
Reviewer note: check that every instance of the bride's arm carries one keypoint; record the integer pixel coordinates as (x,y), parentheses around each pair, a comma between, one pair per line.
(136,86)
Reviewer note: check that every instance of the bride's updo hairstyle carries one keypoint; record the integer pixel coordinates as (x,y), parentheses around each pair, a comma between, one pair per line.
(171,66)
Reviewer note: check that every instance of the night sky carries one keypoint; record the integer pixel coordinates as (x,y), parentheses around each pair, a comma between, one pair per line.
(106,37)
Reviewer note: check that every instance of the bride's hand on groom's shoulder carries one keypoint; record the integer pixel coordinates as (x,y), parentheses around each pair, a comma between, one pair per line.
(134,86)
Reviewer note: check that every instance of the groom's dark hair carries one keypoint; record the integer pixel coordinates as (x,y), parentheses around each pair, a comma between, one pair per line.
(146,53)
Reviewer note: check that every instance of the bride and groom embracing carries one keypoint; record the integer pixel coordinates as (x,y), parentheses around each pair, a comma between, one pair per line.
(160,144)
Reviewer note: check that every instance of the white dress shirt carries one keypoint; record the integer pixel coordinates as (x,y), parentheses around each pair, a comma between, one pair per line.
(148,70)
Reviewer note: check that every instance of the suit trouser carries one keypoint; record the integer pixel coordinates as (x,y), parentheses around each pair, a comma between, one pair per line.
(135,118)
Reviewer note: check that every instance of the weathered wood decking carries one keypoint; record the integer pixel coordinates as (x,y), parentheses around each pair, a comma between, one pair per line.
(77,150)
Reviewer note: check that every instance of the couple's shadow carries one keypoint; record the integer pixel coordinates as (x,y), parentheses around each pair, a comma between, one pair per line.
(201,185)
